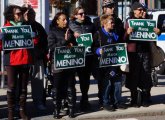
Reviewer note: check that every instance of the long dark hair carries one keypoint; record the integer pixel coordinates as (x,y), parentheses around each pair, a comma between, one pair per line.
(54,21)
(9,12)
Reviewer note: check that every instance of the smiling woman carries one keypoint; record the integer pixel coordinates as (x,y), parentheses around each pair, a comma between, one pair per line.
(16,63)
(64,80)
(139,55)
(80,24)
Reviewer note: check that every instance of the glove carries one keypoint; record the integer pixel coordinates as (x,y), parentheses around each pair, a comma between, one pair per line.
(33,34)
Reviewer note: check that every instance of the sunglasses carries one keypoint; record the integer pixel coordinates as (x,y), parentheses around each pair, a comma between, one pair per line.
(19,13)
(110,6)
(140,9)
(81,13)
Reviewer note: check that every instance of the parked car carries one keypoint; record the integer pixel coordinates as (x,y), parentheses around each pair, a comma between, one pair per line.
(159,17)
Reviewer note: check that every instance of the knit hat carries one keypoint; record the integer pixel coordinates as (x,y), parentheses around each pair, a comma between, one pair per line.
(144,6)
(107,3)
(136,5)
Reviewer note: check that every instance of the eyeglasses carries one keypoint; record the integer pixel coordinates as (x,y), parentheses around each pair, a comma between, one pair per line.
(140,9)
(19,13)
(81,13)
(110,6)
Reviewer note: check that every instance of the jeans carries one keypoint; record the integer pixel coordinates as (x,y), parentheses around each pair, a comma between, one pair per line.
(112,92)
(117,92)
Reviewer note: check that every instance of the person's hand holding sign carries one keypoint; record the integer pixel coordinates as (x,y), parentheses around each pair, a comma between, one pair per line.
(76,34)
(129,30)
(67,34)
(157,31)
(101,51)
(67,37)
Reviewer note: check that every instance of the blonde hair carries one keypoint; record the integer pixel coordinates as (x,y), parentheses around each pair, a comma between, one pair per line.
(105,18)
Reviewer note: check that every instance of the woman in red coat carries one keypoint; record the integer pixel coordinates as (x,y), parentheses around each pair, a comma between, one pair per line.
(17,65)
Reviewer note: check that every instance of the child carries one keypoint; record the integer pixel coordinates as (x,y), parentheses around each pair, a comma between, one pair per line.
(111,75)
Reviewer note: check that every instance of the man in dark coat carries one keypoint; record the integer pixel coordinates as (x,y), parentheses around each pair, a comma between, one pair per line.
(39,57)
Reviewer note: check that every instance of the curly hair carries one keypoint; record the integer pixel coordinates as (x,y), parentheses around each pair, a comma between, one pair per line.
(9,12)
(56,17)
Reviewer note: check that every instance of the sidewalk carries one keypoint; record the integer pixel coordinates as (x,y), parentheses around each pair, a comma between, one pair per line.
(157,107)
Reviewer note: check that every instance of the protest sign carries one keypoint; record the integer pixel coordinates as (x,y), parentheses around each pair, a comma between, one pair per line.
(17,37)
(65,57)
(114,55)
(85,40)
(143,29)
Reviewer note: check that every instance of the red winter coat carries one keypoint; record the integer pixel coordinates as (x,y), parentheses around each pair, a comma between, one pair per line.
(17,57)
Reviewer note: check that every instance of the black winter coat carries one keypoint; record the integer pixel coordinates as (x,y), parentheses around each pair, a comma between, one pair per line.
(41,49)
(86,27)
(56,38)
(139,64)
(100,39)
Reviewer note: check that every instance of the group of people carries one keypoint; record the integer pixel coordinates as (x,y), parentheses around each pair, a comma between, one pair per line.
(24,64)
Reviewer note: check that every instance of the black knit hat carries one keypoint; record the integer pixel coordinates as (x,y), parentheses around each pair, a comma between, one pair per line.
(136,5)
(107,3)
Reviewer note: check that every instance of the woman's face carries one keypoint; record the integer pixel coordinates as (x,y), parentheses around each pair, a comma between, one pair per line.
(17,15)
(109,10)
(144,14)
(62,21)
(138,13)
(80,15)
(109,25)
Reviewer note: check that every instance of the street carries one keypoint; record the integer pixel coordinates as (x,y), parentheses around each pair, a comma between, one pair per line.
(155,111)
